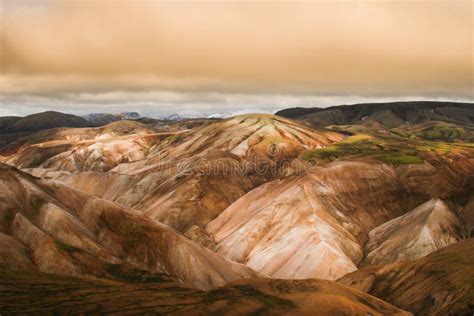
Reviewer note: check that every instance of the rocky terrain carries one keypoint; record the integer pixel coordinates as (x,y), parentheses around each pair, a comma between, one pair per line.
(255,207)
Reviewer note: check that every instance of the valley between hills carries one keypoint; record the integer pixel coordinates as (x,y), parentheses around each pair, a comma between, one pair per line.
(364,209)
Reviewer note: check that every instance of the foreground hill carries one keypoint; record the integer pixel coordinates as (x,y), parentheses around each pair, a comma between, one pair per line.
(439,284)
(48,227)
(54,294)
(388,115)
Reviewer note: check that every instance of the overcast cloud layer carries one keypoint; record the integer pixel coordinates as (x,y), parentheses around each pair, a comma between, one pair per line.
(164,57)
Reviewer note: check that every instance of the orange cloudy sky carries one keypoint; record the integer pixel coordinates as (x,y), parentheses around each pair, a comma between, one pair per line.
(162,57)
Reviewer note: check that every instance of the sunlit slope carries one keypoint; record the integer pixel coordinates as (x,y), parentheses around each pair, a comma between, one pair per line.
(48,227)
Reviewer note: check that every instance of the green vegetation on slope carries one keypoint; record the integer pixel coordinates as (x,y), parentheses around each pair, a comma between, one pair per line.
(437,131)
(173,138)
(362,145)
(397,148)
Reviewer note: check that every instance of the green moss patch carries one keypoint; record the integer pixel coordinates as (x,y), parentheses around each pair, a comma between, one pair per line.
(173,138)
(397,147)
(363,145)
(442,133)
(437,132)
(401,160)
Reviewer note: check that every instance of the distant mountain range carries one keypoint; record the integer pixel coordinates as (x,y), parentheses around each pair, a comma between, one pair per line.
(177,116)
(200,115)
(184,116)
(100,119)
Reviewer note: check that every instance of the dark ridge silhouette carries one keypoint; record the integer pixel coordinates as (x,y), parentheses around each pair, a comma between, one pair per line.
(5,121)
(40,121)
(391,114)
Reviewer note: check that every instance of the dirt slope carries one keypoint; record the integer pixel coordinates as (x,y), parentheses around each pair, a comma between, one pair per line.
(65,295)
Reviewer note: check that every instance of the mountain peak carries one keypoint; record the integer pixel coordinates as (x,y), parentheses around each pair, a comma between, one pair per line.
(428,227)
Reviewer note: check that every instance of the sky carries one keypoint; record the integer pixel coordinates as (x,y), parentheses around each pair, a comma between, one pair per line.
(162,57)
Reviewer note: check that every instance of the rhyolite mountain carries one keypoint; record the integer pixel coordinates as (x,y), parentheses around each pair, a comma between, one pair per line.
(323,223)
(164,175)
(195,204)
